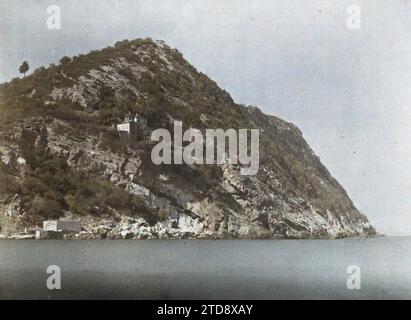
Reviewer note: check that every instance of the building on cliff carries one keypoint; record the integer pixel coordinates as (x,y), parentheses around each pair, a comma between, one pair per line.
(134,129)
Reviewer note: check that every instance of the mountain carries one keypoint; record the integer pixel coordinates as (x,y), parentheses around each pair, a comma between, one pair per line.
(62,157)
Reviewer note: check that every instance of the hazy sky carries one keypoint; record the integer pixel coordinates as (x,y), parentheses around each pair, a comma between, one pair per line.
(349,91)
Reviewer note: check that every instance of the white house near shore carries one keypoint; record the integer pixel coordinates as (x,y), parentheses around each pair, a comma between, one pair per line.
(62,225)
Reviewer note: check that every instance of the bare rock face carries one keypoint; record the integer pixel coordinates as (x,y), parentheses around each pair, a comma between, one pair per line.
(68,160)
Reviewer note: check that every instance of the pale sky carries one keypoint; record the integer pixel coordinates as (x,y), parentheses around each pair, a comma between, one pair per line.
(347,90)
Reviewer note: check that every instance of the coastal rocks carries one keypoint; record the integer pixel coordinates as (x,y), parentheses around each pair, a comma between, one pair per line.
(13,207)
(7,155)
(132,166)
(74,156)
(128,228)
(22,237)
(21,161)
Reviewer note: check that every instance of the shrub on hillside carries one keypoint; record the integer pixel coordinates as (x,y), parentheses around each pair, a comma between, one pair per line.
(64,111)
(65,60)
(110,140)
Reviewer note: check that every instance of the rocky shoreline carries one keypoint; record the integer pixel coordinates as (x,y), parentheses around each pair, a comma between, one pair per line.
(129,228)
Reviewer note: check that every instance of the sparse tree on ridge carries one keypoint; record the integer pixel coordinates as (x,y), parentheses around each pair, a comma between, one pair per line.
(24,68)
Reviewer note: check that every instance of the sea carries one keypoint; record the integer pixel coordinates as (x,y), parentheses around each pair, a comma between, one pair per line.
(349,269)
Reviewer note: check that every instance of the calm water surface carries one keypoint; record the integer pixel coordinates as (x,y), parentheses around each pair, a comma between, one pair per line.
(306,269)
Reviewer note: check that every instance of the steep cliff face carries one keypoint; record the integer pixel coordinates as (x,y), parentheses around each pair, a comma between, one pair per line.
(61,157)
